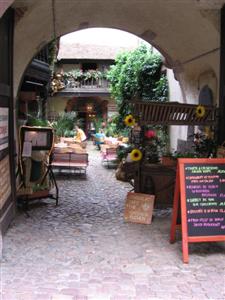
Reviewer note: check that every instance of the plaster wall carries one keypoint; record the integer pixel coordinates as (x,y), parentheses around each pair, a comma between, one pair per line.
(56,104)
(175,95)
(177,28)
(68,67)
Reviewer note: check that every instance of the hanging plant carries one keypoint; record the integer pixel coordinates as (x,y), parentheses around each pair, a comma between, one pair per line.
(136,155)
(200,111)
(129,120)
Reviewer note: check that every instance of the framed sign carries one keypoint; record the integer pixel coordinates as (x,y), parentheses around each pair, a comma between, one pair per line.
(35,138)
(200,197)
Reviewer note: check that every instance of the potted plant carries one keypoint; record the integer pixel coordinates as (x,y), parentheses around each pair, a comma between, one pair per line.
(64,124)
(153,146)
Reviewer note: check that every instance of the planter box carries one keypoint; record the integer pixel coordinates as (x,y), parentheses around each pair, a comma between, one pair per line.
(39,194)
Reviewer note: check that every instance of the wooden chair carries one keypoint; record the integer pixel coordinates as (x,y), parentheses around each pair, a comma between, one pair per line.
(109,155)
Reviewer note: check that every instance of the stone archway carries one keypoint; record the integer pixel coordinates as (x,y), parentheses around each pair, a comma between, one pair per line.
(185,32)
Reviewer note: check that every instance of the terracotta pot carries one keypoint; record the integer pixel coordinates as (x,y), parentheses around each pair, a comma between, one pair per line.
(168,161)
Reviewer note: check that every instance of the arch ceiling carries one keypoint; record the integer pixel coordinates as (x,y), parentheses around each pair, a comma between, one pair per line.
(184,31)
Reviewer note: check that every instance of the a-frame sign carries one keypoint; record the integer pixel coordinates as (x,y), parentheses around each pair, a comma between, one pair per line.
(199,200)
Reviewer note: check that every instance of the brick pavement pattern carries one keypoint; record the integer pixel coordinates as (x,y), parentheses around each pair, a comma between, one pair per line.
(83,249)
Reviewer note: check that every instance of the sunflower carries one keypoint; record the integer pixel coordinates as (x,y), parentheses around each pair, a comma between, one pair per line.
(129,120)
(136,155)
(200,111)
(208,132)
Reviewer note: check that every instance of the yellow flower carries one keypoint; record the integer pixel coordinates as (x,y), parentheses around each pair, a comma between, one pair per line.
(129,120)
(208,132)
(200,111)
(136,155)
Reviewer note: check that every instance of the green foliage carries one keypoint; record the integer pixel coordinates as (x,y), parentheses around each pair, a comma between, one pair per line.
(64,124)
(155,145)
(98,123)
(78,74)
(113,130)
(122,152)
(92,74)
(161,90)
(136,74)
(204,146)
(34,121)
(52,52)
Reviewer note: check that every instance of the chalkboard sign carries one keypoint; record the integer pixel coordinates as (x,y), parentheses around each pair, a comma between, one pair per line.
(205,199)
(200,195)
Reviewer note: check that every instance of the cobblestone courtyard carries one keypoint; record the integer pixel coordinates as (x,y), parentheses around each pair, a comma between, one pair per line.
(83,249)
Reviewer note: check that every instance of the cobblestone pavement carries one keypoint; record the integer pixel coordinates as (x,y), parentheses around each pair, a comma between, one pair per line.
(83,249)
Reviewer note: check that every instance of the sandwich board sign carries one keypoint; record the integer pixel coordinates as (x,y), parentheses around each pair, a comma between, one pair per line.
(200,197)
(139,208)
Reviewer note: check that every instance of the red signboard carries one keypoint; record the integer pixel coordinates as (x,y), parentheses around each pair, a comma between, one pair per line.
(200,197)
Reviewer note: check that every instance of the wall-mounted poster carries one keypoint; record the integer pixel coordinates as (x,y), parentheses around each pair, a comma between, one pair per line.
(4,120)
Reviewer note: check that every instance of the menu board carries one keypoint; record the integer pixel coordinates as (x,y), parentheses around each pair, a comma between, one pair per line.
(35,138)
(205,199)
(199,198)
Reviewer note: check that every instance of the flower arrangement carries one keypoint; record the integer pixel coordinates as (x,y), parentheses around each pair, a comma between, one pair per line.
(204,145)
(153,146)
(129,120)
(200,111)
(150,134)
(136,155)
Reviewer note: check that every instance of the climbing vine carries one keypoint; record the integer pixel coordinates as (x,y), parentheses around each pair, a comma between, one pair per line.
(138,74)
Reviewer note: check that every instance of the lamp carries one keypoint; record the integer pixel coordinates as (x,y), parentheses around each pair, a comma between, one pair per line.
(89,107)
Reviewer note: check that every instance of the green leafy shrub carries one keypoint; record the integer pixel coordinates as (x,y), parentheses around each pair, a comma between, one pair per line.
(64,124)
(136,74)
(34,121)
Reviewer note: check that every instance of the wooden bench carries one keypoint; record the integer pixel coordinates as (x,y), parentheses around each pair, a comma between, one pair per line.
(69,160)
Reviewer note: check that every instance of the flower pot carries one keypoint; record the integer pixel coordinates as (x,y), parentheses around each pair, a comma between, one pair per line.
(169,161)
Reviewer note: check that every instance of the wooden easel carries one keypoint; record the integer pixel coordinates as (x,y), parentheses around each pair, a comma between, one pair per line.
(41,139)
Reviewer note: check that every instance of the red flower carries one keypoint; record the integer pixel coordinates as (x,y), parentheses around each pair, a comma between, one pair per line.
(150,134)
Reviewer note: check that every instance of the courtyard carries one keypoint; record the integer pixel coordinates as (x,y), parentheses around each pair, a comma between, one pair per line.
(84,250)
